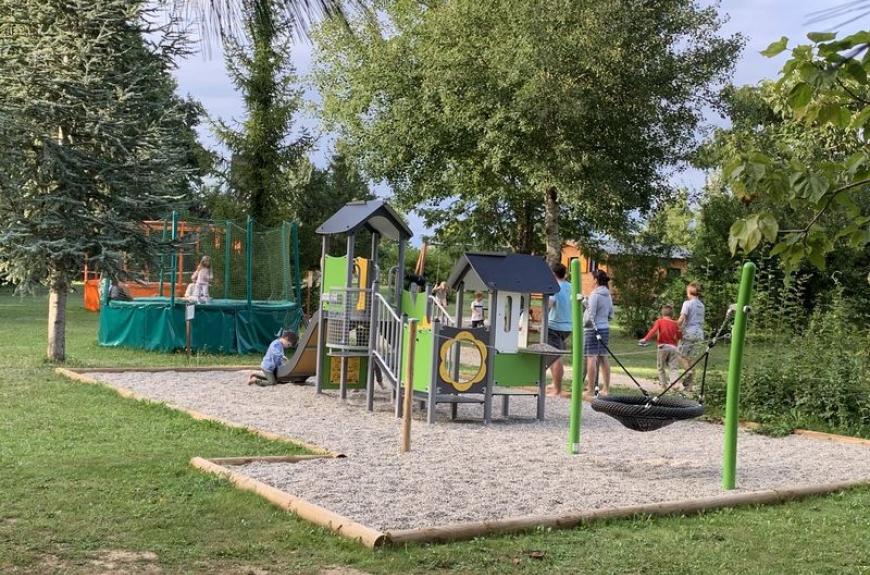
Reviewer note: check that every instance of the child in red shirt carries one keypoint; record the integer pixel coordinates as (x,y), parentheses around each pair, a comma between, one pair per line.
(668,336)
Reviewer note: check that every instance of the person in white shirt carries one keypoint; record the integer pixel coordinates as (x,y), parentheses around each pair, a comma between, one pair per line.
(477,310)
(202,280)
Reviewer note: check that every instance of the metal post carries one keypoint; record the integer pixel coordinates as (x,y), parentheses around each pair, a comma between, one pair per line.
(324,250)
(285,261)
(399,366)
(409,386)
(297,272)
(400,275)
(735,364)
(249,261)
(433,377)
(490,359)
(374,327)
(374,258)
(576,358)
(174,269)
(349,307)
(542,336)
(228,257)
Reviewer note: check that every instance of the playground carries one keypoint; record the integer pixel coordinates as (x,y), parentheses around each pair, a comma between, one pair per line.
(462,472)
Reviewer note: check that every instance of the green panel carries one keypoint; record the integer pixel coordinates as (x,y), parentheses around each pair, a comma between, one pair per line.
(517,369)
(218,327)
(417,309)
(422,359)
(331,375)
(334,275)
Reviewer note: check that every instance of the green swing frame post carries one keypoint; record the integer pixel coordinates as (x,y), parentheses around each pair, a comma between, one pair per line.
(576,359)
(735,364)
(173,270)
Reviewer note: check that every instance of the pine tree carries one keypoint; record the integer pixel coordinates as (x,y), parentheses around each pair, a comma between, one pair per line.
(261,155)
(93,140)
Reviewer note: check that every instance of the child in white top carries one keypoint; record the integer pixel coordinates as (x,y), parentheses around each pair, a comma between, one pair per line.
(202,278)
(477,310)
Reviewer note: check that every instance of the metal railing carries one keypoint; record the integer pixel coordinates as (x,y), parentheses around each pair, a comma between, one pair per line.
(349,319)
(440,313)
(387,334)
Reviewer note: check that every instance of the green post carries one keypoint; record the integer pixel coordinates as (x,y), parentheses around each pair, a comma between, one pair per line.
(228,257)
(162,259)
(173,269)
(297,272)
(249,261)
(576,359)
(285,261)
(732,398)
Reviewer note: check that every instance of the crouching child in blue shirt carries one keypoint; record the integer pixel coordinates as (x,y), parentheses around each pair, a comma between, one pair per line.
(273,361)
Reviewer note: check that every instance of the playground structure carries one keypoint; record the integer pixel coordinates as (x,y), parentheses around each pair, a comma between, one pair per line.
(362,336)
(254,292)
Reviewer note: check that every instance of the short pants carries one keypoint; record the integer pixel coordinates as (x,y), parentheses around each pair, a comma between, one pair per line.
(557,338)
(591,346)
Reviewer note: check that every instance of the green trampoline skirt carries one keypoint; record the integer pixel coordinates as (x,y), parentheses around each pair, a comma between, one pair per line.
(220,326)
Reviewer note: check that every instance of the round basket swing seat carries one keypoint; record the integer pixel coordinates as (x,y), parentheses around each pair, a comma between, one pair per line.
(635,411)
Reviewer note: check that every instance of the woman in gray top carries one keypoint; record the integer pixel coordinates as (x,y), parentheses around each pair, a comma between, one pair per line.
(596,320)
(691,322)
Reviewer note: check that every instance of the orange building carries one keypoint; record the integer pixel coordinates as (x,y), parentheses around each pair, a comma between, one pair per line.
(676,266)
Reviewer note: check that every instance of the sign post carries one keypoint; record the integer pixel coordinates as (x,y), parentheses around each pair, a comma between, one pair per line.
(189,313)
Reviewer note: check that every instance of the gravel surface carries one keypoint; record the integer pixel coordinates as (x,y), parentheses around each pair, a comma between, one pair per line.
(464,471)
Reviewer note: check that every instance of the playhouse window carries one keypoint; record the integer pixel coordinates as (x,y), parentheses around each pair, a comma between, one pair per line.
(508,309)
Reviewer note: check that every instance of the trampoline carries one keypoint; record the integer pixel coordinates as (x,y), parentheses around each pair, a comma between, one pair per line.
(255,288)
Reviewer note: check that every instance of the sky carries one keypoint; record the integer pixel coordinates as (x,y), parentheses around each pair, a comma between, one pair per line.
(760,21)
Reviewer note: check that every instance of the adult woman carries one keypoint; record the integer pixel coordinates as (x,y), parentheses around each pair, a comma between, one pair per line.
(599,312)
(691,322)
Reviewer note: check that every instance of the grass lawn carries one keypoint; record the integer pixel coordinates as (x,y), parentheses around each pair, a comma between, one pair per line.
(91,482)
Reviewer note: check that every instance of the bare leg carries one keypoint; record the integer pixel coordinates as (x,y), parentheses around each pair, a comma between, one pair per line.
(591,368)
(605,373)
(557,370)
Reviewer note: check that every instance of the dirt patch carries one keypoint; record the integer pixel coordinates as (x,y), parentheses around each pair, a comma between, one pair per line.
(111,562)
(341,571)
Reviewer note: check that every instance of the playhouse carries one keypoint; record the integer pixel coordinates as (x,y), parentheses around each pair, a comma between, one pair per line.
(362,335)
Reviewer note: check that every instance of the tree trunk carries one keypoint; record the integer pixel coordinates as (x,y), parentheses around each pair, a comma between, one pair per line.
(57,320)
(551,226)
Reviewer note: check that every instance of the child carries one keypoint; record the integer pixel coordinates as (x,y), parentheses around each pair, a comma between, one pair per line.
(271,373)
(477,310)
(202,278)
(668,335)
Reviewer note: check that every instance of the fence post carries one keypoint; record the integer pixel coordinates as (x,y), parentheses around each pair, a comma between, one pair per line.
(297,273)
(732,397)
(162,259)
(577,384)
(228,257)
(249,261)
(285,262)
(174,268)
(409,386)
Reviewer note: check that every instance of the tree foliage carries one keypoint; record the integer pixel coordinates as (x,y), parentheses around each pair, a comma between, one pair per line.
(263,156)
(93,139)
(506,117)
(810,154)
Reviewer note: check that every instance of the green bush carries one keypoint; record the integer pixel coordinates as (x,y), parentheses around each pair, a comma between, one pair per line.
(818,379)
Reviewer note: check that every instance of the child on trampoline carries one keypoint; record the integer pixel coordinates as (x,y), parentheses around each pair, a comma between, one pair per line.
(201,279)
(274,365)
(668,335)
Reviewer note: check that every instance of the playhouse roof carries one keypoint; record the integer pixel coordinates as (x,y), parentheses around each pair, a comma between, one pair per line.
(374,215)
(521,273)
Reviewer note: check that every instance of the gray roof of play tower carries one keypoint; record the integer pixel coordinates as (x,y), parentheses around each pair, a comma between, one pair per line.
(373,215)
(520,273)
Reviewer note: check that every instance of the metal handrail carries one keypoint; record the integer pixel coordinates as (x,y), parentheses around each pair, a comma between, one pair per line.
(443,311)
(388,328)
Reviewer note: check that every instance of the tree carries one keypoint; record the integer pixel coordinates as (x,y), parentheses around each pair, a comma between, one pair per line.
(325,192)
(514,117)
(261,156)
(94,140)
(812,156)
